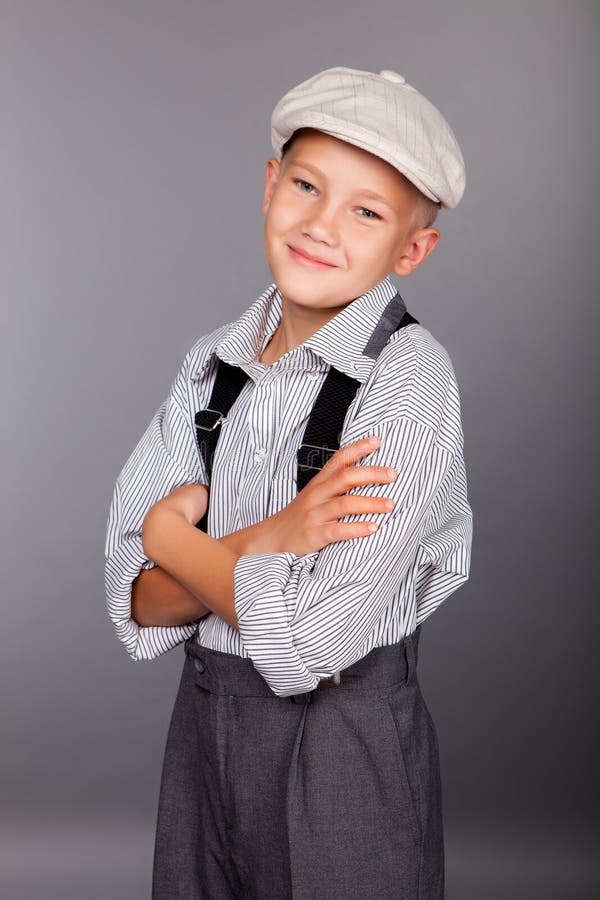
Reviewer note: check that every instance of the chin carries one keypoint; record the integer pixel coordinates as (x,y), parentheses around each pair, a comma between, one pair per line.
(304,282)
(299,294)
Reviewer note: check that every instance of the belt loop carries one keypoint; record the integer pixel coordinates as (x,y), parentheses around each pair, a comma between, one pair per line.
(193,638)
(301,698)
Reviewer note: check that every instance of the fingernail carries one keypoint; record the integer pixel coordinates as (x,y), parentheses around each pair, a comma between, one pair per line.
(392,473)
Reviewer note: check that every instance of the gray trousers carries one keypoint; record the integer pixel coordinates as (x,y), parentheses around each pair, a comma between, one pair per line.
(330,795)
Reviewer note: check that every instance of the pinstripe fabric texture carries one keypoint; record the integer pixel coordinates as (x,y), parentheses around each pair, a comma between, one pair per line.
(303,618)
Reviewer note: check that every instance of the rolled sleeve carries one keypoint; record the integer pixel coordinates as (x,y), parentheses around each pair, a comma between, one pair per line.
(165,457)
(265,618)
(304,618)
(447,542)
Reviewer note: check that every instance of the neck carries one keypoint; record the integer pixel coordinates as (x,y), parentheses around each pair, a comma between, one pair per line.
(296,325)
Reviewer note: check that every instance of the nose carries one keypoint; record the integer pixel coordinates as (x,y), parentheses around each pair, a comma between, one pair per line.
(320,224)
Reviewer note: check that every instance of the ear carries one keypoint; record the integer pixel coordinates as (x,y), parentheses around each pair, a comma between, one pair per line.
(271,176)
(418,247)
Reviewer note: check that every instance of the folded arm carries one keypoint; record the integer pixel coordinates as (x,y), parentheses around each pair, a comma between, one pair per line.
(303,618)
(165,456)
(157,598)
(151,610)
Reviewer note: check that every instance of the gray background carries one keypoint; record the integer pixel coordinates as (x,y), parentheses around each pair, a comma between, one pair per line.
(134,142)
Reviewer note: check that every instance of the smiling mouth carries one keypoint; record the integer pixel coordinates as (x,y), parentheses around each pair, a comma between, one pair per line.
(309,261)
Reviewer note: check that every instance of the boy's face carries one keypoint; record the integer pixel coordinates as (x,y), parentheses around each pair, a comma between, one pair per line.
(320,201)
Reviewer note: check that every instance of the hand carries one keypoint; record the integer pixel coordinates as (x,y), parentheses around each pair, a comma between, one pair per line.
(310,521)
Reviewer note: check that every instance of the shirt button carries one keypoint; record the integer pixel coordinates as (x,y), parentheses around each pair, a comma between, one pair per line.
(259,455)
(200,667)
(312,375)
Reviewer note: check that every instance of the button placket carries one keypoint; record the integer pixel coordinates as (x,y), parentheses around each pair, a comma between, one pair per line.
(259,455)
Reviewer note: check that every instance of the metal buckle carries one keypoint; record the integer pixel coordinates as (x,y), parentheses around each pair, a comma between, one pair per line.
(217,421)
(324,453)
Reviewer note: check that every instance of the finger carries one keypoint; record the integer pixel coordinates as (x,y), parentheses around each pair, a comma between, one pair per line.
(354,476)
(343,531)
(355,504)
(347,455)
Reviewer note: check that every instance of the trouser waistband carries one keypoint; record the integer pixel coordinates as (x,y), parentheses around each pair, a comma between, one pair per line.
(229,673)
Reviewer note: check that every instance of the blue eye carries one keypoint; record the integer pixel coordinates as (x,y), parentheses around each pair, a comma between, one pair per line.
(299,181)
(374,214)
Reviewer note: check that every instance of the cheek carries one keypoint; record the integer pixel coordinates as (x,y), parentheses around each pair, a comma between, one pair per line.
(366,245)
(282,217)
(373,245)
(276,218)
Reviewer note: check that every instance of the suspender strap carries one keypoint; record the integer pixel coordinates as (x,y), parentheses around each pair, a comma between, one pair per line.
(407,319)
(322,434)
(228,384)
(323,430)
(394,316)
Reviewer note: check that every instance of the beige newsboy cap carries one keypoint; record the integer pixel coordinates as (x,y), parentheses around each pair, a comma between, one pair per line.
(383,114)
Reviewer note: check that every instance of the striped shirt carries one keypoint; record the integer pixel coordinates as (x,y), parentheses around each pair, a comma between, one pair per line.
(302,618)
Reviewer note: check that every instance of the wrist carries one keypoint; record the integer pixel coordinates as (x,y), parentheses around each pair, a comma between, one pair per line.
(258,538)
(265,537)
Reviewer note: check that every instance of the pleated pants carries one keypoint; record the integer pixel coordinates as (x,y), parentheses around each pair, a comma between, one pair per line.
(330,795)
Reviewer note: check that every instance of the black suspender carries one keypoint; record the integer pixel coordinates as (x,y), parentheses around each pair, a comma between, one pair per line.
(323,430)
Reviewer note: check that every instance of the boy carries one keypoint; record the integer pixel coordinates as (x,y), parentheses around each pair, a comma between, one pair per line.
(309,574)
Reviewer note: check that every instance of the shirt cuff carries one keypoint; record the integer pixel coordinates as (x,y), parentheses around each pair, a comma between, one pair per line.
(142,642)
(270,570)
(264,613)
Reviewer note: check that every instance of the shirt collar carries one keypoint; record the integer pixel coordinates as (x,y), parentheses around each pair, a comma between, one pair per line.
(340,342)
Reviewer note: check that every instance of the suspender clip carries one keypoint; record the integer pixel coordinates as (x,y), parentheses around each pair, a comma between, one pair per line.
(210,417)
(309,454)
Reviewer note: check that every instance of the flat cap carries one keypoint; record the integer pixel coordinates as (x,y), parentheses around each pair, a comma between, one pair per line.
(381,113)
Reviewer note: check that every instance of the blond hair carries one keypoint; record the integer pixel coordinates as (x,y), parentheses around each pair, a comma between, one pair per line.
(426,210)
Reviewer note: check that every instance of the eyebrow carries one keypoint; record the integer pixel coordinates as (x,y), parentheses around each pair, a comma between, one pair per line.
(364,192)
